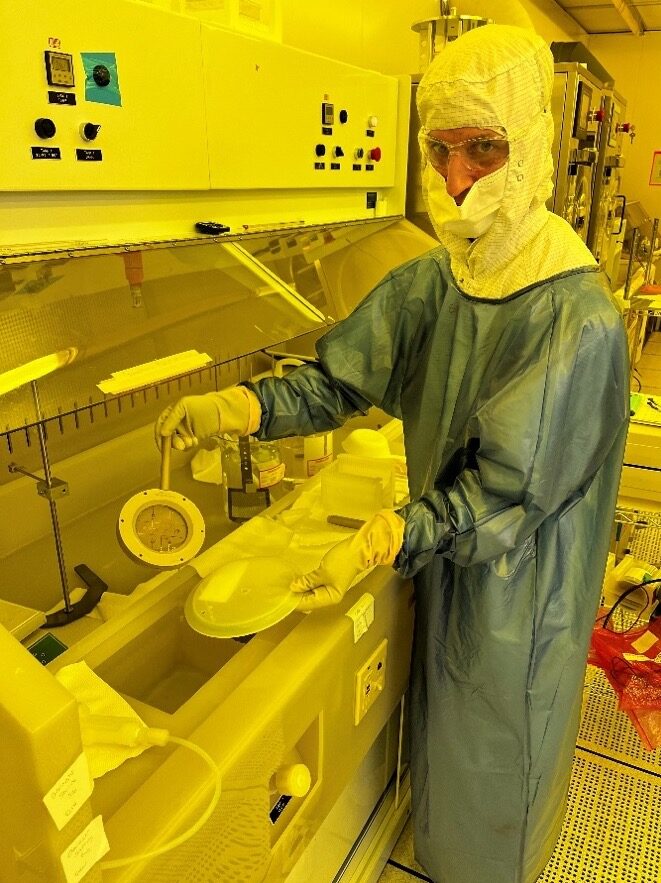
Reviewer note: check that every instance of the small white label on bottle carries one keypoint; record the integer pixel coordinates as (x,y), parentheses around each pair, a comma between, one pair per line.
(314,466)
(271,476)
(70,792)
(85,851)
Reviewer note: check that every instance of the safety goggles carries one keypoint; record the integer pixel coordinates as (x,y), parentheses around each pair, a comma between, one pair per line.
(477,154)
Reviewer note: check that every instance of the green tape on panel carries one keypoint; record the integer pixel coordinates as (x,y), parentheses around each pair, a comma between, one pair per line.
(101,78)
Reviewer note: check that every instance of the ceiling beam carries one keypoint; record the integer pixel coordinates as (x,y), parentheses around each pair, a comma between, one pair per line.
(630,16)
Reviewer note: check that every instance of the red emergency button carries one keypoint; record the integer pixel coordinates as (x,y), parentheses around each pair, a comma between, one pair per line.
(624,127)
(597,116)
(375,154)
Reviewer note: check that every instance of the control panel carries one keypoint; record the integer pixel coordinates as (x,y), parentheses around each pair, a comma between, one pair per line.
(281,118)
(92,110)
(246,134)
(370,681)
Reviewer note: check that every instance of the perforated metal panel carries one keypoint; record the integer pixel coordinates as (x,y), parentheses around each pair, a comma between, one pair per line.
(612,830)
(646,544)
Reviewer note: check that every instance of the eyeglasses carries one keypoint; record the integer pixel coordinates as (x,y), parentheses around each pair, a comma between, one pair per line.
(477,154)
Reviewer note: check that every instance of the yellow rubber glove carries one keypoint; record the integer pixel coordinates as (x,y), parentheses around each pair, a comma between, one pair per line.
(377,542)
(235,411)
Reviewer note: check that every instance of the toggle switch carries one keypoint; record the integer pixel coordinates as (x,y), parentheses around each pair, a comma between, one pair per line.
(89,131)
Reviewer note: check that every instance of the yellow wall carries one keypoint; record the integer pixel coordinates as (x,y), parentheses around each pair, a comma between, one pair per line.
(552,22)
(380,36)
(634,64)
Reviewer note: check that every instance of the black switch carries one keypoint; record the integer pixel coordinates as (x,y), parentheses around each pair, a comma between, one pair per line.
(44,127)
(101,75)
(89,131)
(320,150)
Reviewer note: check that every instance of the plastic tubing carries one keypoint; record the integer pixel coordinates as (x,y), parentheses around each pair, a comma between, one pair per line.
(172,844)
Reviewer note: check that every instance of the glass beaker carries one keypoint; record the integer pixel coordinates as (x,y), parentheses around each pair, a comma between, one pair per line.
(266,472)
(304,456)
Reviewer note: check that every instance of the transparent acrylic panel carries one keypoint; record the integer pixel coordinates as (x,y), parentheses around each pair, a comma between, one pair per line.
(122,310)
(334,268)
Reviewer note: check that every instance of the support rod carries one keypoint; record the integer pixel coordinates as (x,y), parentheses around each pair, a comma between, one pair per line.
(57,535)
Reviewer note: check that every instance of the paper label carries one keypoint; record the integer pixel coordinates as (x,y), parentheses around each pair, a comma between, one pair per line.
(362,615)
(644,642)
(271,476)
(70,792)
(314,466)
(85,851)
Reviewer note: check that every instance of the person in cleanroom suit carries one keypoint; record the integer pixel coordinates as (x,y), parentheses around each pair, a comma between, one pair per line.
(506,360)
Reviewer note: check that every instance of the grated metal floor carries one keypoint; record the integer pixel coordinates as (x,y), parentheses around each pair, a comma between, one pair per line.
(612,830)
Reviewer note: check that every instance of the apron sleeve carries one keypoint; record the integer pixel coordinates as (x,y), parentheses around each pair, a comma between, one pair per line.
(369,351)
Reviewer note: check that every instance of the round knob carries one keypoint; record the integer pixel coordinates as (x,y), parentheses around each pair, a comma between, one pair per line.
(372,122)
(375,154)
(44,127)
(359,153)
(344,116)
(320,150)
(338,151)
(101,75)
(294,780)
(89,131)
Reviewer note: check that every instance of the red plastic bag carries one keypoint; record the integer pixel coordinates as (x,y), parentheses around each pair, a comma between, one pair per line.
(631,661)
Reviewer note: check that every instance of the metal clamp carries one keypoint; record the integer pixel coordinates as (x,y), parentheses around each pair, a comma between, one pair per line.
(53,489)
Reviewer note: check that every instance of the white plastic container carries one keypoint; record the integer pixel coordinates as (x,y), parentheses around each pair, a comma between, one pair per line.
(357,487)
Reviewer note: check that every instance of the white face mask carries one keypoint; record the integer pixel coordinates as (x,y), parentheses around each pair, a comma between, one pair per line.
(477,212)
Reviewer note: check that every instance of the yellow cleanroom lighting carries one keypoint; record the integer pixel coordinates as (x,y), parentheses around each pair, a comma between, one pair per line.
(18,377)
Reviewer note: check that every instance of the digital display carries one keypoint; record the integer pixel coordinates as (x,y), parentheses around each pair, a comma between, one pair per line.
(60,63)
(59,69)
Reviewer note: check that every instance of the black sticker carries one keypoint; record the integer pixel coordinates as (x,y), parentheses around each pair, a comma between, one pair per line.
(47,648)
(335,165)
(61,98)
(86,154)
(369,168)
(46,153)
(276,812)
(325,130)
(356,167)
(371,199)
(369,133)
(320,165)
